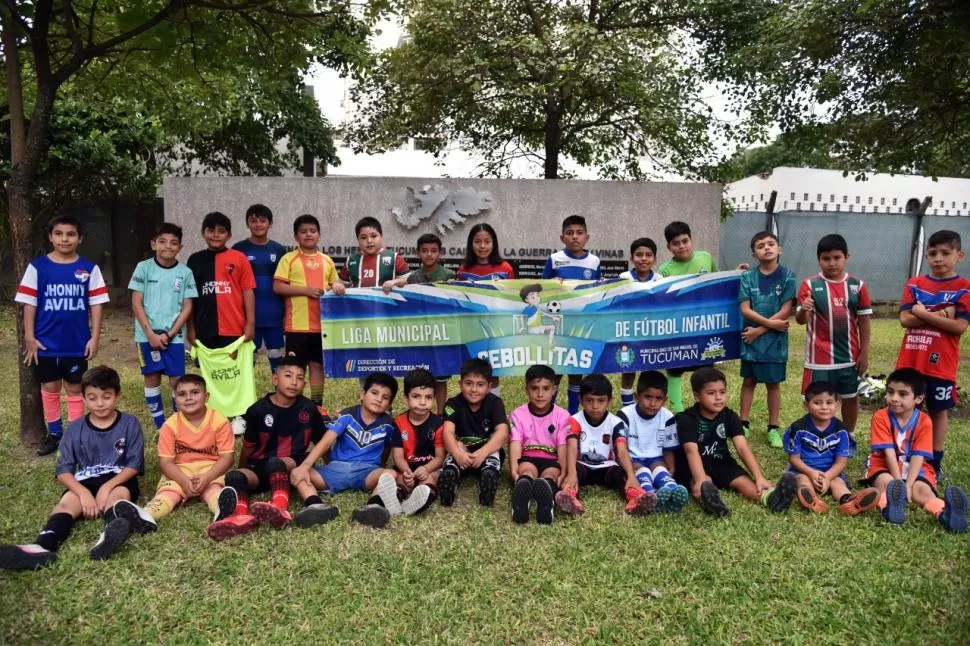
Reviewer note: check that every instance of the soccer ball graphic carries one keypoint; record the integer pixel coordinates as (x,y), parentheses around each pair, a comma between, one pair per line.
(554,307)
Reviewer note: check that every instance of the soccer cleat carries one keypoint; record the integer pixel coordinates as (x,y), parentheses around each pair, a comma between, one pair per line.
(238,426)
(542,493)
(138,519)
(640,502)
(417,501)
(448,486)
(672,498)
(25,557)
(568,503)
(488,486)
(711,501)
(271,514)
(895,511)
(521,499)
(779,498)
(860,503)
(954,516)
(227,504)
(49,445)
(114,536)
(774,438)
(811,502)
(386,490)
(318,514)
(232,526)
(374,516)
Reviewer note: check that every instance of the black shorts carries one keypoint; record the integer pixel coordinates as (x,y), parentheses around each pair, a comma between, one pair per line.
(305,346)
(612,477)
(871,482)
(262,475)
(69,369)
(95,484)
(217,341)
(721,472)
(418,465)
(941,394)
(493,461)
(541,464)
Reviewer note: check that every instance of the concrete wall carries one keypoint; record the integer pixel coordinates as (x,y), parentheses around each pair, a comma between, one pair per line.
(525,213)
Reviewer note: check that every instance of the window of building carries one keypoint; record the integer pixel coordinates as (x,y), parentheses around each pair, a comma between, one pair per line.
(832,197)
(845,199)
(857,199)
(792,196)
(811,206)
(798,206)
(870,199)
(863,208)
(825,206)
(806,197)
(838,207)
(894,201)
(882,201)
(818,198)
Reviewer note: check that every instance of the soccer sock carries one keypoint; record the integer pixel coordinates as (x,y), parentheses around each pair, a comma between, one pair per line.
(316,394)
(153,397)
(161,505)
(572,397)
(237,480)
(764,496)
(55,532)
(626,396)
(279,483)
(51,402)
(937,459)
(313,500)
(935,506)
(662,478)
(772,426)
(497,391)
(644,478)
(674,393)
(746,424)
(75,407)
(274,357)
(552,485)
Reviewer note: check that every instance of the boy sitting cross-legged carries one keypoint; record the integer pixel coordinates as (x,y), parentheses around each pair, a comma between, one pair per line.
(279,430)
(703,462)
(417,445)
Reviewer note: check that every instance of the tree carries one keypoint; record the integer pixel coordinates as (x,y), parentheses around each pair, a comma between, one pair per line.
(610,84)
(798,149)
(200,51)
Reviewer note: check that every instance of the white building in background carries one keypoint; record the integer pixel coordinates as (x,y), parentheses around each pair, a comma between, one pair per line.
(814,189)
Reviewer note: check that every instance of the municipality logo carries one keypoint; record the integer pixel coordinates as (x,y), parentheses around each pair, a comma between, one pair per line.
(714,349)
(624,356)
(349,366)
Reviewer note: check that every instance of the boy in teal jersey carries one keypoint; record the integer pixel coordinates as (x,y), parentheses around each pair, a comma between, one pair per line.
(162,290)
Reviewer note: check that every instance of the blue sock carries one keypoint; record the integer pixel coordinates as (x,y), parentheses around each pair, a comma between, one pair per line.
(573,399)
(644,478)
(626,397)
(153,397)
(56,427)
(662,478)
(937,459)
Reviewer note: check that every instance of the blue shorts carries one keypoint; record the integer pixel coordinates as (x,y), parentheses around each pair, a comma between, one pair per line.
(647,462)
(170,361)
(941,394)
(341,476)
(271,335)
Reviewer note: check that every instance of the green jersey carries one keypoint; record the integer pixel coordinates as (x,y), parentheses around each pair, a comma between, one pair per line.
(766,295)
(700,263)
(440,275)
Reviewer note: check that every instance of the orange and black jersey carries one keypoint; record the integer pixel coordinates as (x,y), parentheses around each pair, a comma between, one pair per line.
(221,278)
(275,431)
(419,442)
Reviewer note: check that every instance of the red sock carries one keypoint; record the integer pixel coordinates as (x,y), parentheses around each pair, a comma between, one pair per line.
(279,483)
(242,503)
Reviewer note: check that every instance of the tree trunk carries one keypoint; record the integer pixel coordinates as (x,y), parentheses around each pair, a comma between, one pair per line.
(553,140)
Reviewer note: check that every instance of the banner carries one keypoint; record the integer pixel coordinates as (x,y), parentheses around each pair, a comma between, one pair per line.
(576,327)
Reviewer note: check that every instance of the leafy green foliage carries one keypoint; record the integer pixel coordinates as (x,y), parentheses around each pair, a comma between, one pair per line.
(803,148)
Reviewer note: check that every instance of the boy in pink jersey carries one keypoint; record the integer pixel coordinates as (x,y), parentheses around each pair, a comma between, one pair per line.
(537,447)
(836,307)
(935,311)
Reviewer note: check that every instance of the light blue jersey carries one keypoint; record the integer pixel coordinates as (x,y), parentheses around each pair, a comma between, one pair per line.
(163,290)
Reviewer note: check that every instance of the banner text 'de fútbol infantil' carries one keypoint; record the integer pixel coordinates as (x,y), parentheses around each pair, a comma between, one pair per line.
(576,327)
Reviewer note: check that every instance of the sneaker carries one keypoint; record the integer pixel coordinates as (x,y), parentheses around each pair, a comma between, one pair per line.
(542,493)
(49,445)
(114,536)
(271,514)
(640,502)
(232,526)
(227,504)
(448,486)
(774,438)
(417,501)
(807,499)
(711,501)
(672,498)
(238,426)
(780,498)
(374,516)
(521,499)
(320,513)
(25,557)
(386,490)
(895,511)
(138,519)
(860,503)
(488,486)
(568,503)
(954,516)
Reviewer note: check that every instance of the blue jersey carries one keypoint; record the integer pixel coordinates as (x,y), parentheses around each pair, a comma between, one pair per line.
(63,293)
(263,258)
(563,264)
(818,449)
(360,442)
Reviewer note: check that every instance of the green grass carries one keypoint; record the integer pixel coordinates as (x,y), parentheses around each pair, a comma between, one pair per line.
(467,574)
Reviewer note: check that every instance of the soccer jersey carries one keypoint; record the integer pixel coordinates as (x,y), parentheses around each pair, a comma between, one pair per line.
(440,274)
(87,451)
(646,437)
(927,348)
(818,448)
(563,264)
(373,270)
(631,274)
(832,339)
(63,294)
(596,441)
(914,438)
(221,277)
(264,258)
(163,291)
(541,435)
(474,428)
(767,293)
(710,435)
(301,269)
(700,263)
(502,270)
(282,431)
(360,442)
(418,442)
(229,375)
(185,443)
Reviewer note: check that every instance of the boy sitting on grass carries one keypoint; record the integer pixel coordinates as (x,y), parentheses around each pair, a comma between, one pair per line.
(703,462)
(899,465)
(417,445)
(101,456)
